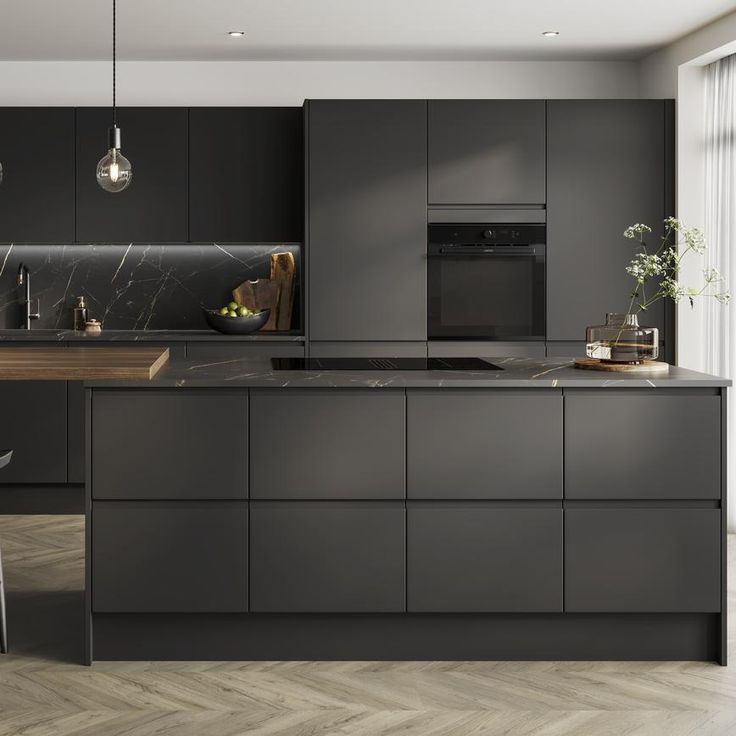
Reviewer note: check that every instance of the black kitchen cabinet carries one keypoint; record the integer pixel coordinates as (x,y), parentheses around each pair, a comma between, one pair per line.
(170,444)
(634,445)
(37,191)
(332,444)
(154,206)
(609,165)
(483,557)
(156,557)
(367,219)
(35,429)
(486,152)
(641,560)
(246,174)
(327,556)
(467,444)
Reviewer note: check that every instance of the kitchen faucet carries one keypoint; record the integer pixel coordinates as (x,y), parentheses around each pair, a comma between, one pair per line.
(24,279)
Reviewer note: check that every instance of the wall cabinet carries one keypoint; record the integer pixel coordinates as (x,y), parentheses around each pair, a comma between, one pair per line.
(156,557)
(609,165)
(246,174)
(344,557)
(486,152)
(478,444)
(185,444)
(367,215)
(338,444)
(642,560)
(35,429)
(483,557)
(154,206)
(642,445)
(37,192)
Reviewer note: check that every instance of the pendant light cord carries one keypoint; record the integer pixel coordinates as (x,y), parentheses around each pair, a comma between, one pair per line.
(114,59)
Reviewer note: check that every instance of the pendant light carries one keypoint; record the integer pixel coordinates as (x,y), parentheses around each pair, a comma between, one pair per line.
(114,172)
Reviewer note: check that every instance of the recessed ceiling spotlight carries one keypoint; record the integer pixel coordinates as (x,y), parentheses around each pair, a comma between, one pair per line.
(236,34)
(550,34)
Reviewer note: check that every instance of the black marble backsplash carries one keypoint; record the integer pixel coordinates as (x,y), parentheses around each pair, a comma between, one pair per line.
(134,287)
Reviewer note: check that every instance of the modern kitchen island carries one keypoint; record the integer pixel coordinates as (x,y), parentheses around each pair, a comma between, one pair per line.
(540,512)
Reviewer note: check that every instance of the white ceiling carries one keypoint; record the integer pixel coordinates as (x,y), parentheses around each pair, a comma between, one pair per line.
(349,29)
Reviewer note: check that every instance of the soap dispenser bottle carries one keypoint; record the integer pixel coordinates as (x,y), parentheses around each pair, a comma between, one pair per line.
(80,314)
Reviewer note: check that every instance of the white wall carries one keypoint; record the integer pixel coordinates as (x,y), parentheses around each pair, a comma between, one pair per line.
(289,83)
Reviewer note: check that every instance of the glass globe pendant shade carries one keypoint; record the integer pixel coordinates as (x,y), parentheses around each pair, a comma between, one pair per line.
(114,172)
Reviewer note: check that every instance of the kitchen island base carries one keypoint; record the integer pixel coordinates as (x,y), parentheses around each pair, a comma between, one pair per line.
(292,516)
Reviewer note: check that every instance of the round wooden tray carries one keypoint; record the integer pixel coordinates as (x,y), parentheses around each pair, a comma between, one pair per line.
(649,367)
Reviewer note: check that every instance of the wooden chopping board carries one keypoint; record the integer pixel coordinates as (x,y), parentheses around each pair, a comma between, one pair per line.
(80,364)
(649,367)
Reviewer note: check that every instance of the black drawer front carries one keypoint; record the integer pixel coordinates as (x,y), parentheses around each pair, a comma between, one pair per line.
(170,444)
(156,557)
(484,444)
(331,444)
(483,557)
(325,556)
(663,445)
(642,560)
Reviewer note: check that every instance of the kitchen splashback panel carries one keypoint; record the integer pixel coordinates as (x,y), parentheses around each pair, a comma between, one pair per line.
(133,287)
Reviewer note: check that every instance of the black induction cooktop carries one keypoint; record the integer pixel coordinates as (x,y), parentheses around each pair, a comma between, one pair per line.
(383,364)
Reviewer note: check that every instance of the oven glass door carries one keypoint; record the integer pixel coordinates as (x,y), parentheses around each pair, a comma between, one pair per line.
(488,296)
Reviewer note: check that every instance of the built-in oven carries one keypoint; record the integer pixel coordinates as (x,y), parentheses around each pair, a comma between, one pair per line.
(486,282)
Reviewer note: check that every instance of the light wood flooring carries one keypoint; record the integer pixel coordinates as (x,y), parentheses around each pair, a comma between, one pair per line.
(44,691)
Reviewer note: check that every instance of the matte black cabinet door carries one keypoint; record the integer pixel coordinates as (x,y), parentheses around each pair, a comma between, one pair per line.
(367,220)
(154,206)
(661,444)
(37,192)
(246,174)
(339,557)
(331,444)
(170,444)
(35,430)
(606,169)
(484,444)
(642,560)
(486,152)
(483,557)
(156,557)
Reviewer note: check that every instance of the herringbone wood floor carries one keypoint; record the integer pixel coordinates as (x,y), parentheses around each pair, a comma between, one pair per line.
(45,692)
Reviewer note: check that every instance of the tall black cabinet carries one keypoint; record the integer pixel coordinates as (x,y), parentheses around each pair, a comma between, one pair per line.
(609,165)
(367,216)
(37,191)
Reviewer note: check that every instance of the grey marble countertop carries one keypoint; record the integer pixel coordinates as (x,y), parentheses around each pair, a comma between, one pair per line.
(45,335)
(517,373)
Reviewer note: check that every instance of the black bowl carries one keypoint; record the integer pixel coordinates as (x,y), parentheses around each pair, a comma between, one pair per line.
(236,325)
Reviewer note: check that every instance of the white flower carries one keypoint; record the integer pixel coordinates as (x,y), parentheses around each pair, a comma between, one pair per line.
(712,275)
(637,230)
(643,266)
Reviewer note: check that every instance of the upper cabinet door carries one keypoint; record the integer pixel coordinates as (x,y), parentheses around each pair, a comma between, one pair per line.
(37,191)
(367,219)
(246,174)
(154,206)
(607,168)
(486,152)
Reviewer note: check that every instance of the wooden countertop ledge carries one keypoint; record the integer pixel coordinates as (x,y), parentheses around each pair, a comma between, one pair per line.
(80,364)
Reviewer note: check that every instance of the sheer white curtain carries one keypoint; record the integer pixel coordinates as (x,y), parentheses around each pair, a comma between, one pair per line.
(720,233)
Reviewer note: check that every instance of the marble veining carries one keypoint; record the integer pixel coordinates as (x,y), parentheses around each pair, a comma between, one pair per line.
(517,373)
(132,287)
